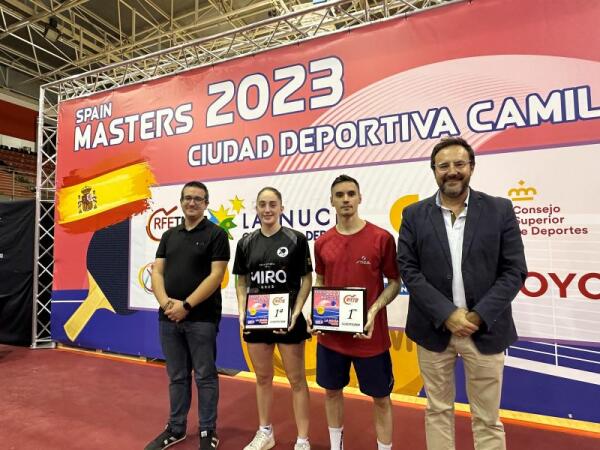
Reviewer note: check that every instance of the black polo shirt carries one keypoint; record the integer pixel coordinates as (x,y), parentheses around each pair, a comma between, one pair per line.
(188,256)
(275,263)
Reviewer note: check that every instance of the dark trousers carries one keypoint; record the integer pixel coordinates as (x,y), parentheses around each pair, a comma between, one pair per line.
(187,346)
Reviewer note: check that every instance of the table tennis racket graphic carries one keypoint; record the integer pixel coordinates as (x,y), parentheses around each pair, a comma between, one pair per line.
(108,275)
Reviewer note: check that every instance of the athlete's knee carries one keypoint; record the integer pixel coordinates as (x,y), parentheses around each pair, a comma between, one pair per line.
(298,383)
(382,402)
(336,394)
(264,379)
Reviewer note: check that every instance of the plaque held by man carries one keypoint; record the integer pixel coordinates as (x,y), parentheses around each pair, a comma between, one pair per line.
(339,309)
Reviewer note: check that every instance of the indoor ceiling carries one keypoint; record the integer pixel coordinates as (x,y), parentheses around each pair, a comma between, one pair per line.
(47,40)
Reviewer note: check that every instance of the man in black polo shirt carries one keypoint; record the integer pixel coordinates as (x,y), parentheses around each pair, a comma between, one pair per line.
(190,263)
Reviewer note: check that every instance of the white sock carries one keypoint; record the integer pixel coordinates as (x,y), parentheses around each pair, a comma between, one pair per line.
(300,440)
(381,446)
(267,429)
(336,438)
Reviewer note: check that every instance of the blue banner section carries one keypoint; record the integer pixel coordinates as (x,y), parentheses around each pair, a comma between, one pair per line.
(137,333)
(133,334)
(229,346)
(556,396)
(74,294)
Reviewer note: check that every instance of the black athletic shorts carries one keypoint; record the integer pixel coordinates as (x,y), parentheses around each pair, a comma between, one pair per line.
(295,336)
(374,373)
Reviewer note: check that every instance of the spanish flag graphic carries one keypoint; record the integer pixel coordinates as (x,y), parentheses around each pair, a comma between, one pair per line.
(105,199)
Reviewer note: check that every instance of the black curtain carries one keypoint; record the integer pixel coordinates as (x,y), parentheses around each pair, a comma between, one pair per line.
(17,222)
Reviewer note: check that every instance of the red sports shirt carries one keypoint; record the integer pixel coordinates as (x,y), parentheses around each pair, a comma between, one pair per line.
(358,260)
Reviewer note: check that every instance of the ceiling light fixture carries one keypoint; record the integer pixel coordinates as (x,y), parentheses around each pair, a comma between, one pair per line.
(51,30)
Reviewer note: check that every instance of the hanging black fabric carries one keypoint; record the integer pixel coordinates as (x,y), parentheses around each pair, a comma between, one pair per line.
(17,221)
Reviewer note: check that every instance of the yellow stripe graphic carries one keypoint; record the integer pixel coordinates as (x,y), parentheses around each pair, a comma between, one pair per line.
(103,193)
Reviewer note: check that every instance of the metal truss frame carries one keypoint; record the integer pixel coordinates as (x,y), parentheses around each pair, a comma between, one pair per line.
(298,26)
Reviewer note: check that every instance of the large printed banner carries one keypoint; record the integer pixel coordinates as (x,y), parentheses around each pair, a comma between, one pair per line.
(370,103)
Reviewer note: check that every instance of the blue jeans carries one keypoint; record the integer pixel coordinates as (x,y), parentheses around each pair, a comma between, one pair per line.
(187,346)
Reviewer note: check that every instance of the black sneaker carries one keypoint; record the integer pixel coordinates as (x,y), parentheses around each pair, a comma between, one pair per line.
(208,440)
(165,440)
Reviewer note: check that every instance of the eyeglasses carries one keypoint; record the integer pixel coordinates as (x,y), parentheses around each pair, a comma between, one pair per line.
(445,166)
(190,199)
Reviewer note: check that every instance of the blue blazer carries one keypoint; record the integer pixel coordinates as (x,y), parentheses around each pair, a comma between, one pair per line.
(493,269)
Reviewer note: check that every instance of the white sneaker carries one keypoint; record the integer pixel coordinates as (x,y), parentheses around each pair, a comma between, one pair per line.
(303,446)
(261,441)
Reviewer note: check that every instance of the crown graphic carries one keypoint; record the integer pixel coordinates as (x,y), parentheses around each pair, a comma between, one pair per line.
(522,193)
(87,200)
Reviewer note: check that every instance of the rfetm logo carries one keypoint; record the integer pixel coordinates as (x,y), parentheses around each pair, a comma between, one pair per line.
(282,252)
(350,299)
(160,221)
(278,301)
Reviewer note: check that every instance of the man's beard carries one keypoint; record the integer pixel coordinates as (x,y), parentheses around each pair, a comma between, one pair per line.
(454,191)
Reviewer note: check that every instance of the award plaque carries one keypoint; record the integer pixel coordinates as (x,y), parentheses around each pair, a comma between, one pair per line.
(267,311)
(339,309)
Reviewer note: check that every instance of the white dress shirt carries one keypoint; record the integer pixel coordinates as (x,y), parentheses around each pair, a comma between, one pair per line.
(456,232)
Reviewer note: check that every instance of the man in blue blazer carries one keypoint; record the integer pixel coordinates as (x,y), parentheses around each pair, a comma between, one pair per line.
(461,257)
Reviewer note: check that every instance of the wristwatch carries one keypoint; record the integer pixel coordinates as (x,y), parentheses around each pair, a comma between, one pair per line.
(187,306)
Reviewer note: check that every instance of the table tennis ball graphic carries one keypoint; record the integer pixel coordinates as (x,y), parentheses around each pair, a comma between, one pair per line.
(324,304)
(257,307)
